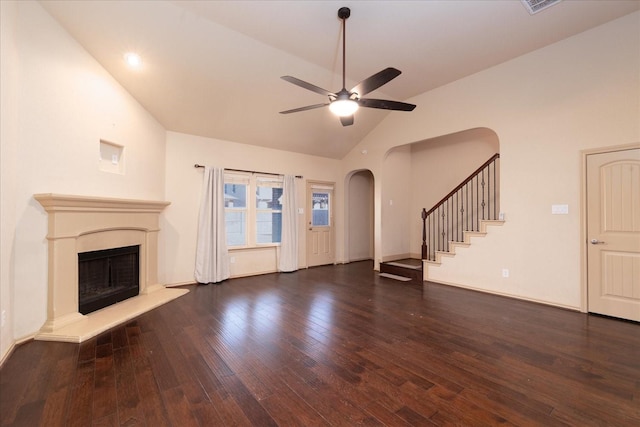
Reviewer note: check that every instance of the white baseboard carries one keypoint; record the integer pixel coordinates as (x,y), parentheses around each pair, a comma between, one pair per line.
(508,295)
(8,354)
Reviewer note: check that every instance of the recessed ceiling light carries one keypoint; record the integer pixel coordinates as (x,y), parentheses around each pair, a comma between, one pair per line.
(133,60)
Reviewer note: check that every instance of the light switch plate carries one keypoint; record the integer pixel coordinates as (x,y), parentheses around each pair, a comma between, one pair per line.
(559,209)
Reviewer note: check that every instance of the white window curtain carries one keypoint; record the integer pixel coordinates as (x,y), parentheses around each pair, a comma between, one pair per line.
(289,242)
(212,256)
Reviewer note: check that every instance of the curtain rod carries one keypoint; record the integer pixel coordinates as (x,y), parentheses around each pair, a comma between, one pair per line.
(242,170)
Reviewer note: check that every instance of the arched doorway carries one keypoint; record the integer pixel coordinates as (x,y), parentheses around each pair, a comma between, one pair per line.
(360,215)
(418,175)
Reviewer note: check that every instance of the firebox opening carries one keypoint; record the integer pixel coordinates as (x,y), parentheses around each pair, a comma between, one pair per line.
(108,276)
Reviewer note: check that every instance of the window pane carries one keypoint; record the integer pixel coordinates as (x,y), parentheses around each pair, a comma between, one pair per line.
(269,227)
(320,209)
(269,198)
(235,196)
(236,228)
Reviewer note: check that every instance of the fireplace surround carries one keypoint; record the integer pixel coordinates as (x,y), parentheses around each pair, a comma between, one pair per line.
(79,224)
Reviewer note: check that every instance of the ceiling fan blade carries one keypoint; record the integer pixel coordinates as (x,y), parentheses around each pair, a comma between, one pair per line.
(385,104)
(308,107)
(346,120)
(374,82)
(308,86)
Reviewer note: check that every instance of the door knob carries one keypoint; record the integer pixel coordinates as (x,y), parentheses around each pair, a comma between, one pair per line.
(596,242)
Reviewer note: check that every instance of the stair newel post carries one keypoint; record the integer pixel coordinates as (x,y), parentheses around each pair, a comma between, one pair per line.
(425,253)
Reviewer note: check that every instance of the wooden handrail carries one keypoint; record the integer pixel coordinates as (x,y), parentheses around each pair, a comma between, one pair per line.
(462,184)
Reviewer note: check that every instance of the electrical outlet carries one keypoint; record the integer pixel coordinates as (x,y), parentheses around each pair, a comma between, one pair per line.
(232,260)
(4,318)
(505,272)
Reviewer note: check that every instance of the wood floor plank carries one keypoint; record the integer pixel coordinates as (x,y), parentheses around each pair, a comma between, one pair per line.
(55,408)
(178,407)
(105,401)
(29,414)
(229,410)
(80,411)
(250,405)
(129,408)
(24,359)
(333,346)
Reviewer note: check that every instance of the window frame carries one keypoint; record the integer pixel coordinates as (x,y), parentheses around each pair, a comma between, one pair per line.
(252,182)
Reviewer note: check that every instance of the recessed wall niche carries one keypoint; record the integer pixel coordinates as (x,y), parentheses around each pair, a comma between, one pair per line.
(111,157)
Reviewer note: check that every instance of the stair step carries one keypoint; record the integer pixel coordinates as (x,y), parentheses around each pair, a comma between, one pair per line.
(404,265)
(467,234)
(395,277)
(408,268)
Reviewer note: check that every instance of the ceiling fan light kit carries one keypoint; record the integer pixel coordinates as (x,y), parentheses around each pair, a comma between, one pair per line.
(345,103)
(343,107)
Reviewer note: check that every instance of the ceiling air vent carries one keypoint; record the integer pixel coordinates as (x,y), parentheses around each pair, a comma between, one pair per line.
(535,6)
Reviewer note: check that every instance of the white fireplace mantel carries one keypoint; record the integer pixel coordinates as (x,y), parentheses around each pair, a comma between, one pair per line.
(81,224)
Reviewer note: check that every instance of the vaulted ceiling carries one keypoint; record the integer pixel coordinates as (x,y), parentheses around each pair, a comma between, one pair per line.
(212,68)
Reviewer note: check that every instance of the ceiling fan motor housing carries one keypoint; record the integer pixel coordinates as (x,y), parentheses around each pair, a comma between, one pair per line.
(344,13)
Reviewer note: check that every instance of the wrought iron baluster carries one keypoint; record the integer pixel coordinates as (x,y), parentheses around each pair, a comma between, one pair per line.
(442,233)
(446,230)
(482,188)
(495,185)
(489,192)
(466,188)
(433,235)
(457,216)
(477,204)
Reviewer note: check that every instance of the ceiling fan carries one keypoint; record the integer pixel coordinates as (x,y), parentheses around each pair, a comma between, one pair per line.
(345,102)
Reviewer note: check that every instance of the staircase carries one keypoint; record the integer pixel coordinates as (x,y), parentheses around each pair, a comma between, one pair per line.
(464,243)
(464,213)
(461,215)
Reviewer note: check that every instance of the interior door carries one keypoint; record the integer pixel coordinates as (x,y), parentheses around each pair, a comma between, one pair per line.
(320,229)
(613,233)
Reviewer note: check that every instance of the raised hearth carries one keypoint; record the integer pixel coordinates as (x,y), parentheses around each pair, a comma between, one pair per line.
(79,224)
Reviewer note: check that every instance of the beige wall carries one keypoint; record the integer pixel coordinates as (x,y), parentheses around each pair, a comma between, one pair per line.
(545,107)
(183,190)
(61,104)
(359,215)
(8,168)
(396,204)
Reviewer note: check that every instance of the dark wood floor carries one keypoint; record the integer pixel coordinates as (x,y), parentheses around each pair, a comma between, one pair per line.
(334,346)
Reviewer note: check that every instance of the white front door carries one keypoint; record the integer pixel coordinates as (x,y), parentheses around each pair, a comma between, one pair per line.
(320,230)
(613,233)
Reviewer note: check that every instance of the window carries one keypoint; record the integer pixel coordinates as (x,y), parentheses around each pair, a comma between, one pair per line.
(268,211)
(320,211)
(252,221)
(235,212)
